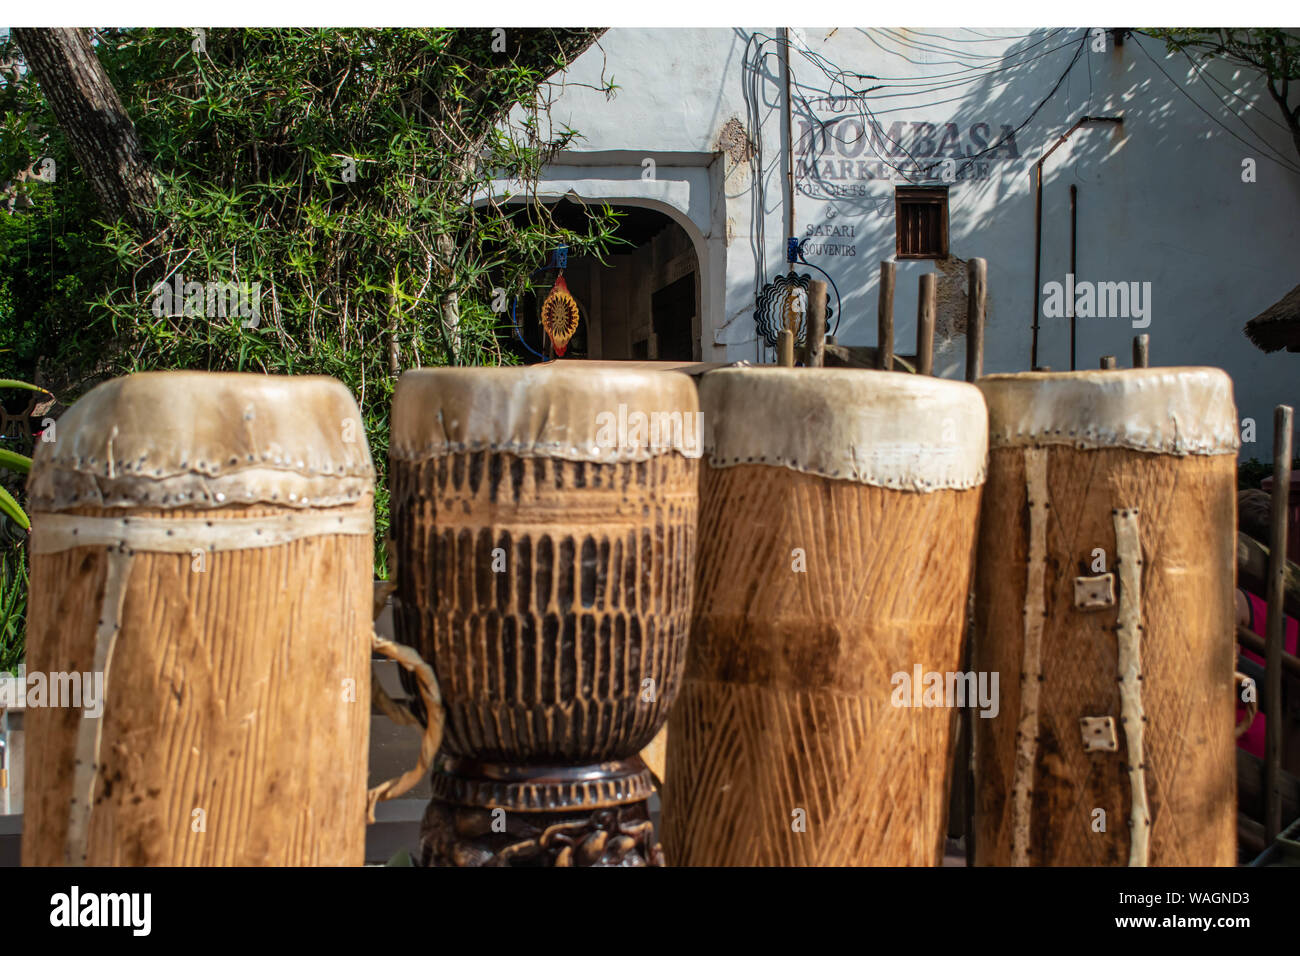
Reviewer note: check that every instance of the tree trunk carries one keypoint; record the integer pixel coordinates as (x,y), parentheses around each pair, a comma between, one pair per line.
(450,300)
(101,134)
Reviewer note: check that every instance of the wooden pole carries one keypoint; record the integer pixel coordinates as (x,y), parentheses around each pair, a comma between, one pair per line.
(785,348)
(977,283)
(816,324)
(1109,361)
(1282,423)
(885,318)
(925,307)
(1258,645)
(1038,257)
(1074,271)
(1141,350)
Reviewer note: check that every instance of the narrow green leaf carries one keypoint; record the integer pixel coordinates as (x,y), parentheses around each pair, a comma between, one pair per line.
(14,461)
(10,508)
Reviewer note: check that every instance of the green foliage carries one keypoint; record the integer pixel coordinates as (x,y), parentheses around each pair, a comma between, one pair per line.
(1273,53)
(13,605)
(252,140)
(1251,473)
(13,556)
(49,264)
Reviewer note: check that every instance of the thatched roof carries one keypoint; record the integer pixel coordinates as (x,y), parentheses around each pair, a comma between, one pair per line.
(1278,326)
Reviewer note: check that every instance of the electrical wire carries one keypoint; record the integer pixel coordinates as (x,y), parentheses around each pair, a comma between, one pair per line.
(1280,162)
(868,113)
(913,80)
(1206,74)
(923,47)
(957,83)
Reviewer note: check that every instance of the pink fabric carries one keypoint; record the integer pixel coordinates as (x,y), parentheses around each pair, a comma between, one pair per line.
(1252,741)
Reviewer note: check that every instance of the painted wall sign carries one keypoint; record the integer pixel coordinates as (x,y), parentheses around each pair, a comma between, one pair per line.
(849,148)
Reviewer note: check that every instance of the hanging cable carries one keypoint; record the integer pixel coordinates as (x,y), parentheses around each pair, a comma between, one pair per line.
(1280,162)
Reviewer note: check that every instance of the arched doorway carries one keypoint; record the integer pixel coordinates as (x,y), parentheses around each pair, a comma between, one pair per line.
(643,302)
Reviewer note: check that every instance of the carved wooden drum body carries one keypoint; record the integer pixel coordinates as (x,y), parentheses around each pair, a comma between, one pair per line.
(837,529)
(1105,600)
(544,521)
(202,560)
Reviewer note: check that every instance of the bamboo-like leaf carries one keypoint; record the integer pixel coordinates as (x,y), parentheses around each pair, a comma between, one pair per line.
(10,507)
(15,383)
(14,461)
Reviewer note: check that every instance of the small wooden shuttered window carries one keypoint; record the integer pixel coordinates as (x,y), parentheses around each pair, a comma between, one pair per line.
(922,222)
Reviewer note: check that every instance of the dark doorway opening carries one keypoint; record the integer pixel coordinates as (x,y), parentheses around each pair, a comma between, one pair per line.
(642,302)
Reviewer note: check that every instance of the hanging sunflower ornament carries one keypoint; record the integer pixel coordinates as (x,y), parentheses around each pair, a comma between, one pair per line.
(560,315)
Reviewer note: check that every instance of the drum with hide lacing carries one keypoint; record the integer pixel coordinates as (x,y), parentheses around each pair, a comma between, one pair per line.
(200,606)
(1105,600)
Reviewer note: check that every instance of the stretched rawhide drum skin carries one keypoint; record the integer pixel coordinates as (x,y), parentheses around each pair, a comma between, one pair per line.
(203,541)
(837,527)
(1105,600)
(544,521)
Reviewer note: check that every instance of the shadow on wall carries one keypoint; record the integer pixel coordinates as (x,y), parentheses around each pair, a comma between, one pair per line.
(980,121)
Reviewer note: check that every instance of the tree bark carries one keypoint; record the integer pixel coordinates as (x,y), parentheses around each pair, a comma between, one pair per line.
(102,137)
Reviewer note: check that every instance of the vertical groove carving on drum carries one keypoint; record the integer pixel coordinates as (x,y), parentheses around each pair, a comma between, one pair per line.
(1186,543)
(544,659)
(786,704)
(226,694)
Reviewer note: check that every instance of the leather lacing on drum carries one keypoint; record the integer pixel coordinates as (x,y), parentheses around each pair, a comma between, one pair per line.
(90,736)
(1031,665)
(125,536)
(1128,550)
(59,532)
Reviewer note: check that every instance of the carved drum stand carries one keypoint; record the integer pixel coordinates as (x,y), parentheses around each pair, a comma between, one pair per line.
(544,522)
(1105,599)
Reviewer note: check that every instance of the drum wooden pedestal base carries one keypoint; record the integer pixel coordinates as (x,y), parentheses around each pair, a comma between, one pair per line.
(591,833)
(485,814)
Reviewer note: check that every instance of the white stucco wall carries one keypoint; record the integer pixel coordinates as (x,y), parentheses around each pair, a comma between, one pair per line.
(1161,198)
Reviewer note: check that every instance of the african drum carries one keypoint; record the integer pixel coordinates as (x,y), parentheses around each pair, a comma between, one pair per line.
(1105,599)
(544,523)
(201,590)
(837,528)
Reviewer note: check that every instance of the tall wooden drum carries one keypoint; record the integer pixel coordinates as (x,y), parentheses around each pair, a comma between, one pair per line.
(202,574)
(837,528)
(1105,600)
(544,521)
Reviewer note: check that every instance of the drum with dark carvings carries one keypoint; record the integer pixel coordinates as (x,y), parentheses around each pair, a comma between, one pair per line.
(544,529)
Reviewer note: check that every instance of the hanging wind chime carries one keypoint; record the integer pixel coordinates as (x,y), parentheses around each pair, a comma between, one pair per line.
(783,302)
(560,315)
